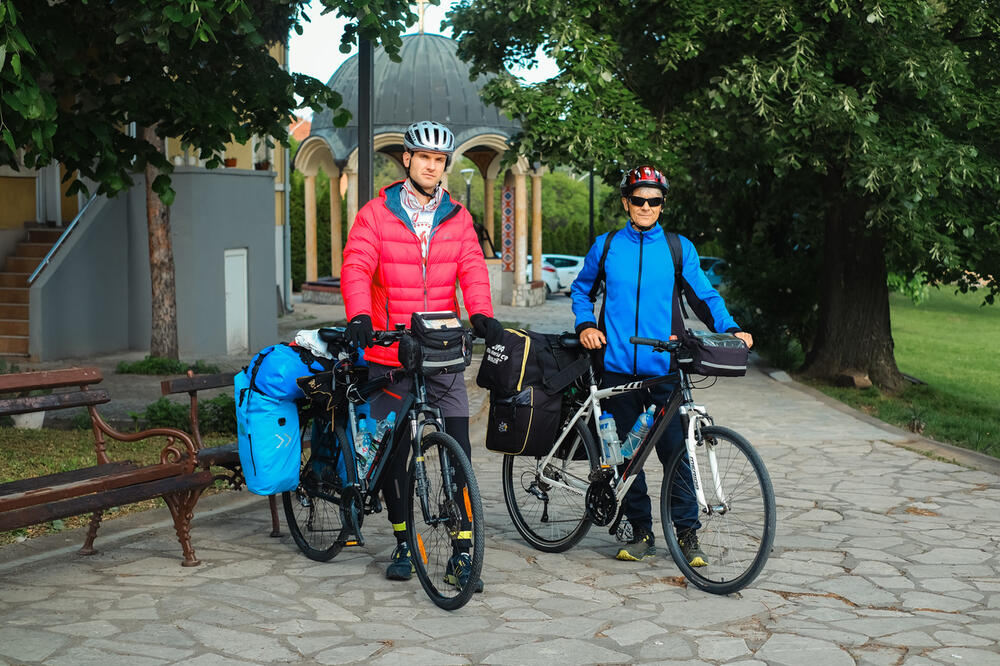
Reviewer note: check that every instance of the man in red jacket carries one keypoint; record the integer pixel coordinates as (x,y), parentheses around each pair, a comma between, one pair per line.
(406,251)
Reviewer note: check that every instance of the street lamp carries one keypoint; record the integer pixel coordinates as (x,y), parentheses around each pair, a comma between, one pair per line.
(467,174)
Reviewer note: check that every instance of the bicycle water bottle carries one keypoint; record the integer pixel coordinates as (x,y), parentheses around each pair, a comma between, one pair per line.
(363,446)
(384,428)
(638,432)
(611,450)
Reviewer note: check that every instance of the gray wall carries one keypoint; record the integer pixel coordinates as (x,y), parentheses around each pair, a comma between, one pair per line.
(94,298)
(78,304)
(215,211)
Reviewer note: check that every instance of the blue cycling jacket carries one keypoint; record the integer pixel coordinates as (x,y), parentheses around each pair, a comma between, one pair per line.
(639,285)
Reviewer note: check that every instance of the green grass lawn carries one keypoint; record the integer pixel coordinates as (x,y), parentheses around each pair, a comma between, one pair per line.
(949,342)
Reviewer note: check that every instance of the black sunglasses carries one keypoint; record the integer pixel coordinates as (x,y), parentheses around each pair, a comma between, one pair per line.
(654,202)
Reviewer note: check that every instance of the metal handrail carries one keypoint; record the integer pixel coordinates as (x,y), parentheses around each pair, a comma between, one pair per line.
(59,242)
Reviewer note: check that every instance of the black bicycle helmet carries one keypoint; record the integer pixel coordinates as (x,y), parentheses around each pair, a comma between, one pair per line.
(643,176)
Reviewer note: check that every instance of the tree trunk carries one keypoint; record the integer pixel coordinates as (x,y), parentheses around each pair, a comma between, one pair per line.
(854,336)
(163,339)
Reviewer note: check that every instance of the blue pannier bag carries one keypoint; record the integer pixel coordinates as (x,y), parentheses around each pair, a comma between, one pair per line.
(267,418)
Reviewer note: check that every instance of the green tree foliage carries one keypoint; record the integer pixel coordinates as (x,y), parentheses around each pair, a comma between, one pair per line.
(75,75)
(822,143)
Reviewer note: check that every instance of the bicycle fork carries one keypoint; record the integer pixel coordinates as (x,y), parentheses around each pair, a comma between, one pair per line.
(696,416)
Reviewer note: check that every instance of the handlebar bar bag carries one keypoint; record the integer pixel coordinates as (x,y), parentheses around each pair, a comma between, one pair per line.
(712,354)
(445,345)
(524,424)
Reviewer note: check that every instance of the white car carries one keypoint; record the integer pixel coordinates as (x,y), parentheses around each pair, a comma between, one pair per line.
(567,267)
(549,276)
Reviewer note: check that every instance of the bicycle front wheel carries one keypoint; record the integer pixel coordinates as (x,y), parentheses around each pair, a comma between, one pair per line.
(547,504)
(735,530)
(316,519)
(445,525)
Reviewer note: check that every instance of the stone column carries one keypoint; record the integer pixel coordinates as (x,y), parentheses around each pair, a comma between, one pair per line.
(520,230)
(536,225)
(310,209)
(488,187)
(336,228)
(352,199)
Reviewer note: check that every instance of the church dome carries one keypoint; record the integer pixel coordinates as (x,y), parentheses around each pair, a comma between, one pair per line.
(430,83)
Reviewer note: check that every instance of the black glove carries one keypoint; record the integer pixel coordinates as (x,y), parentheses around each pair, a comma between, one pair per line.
(360,332)
(487,328)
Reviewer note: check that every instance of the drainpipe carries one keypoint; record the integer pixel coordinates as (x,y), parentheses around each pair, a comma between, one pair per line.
(286,236)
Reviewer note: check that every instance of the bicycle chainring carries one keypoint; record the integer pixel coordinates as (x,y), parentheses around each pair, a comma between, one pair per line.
(601,503)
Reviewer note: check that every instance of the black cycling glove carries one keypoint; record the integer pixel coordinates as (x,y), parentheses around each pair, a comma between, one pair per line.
(487,328)
(360,332)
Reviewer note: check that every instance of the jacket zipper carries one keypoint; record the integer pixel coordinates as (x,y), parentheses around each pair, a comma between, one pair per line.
(638,287)
(453,213)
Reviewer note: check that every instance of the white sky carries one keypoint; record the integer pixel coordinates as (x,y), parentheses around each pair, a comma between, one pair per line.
(316,51)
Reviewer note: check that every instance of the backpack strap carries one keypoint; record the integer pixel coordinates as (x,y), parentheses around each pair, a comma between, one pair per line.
(677,254)
(253,373)
(598,286)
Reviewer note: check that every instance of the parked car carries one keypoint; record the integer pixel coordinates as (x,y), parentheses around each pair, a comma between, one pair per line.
(715,270)
(567,267)
(549,276)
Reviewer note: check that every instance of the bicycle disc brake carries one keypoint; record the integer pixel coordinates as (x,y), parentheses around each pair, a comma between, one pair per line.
(601,503)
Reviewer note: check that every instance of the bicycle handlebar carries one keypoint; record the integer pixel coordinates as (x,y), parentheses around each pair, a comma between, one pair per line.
(657,345)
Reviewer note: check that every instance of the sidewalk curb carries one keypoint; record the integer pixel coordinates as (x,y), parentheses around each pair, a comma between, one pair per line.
(913,441)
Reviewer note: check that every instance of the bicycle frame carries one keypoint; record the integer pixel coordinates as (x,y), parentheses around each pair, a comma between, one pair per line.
(680,400)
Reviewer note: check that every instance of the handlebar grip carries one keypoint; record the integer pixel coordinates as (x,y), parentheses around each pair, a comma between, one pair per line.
(652,342)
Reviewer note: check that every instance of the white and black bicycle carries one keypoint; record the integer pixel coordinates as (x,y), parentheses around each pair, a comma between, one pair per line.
(554,499)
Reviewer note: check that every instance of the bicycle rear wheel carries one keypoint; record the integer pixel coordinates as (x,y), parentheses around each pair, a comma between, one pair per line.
(445,525)
(737,527)
(314,511)
(551,516)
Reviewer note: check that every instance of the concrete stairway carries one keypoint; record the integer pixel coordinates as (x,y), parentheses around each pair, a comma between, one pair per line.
(14,288)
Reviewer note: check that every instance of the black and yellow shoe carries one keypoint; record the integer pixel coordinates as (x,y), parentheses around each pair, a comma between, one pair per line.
(688,541)
(458,571)
(639,548)
(401,567)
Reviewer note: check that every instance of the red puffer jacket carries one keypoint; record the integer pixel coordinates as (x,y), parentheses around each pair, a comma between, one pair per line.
(384,274)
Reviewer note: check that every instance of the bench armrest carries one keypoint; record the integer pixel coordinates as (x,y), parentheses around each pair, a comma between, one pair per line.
(180,447)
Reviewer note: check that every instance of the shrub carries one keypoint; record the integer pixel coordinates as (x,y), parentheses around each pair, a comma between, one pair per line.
(155,365)
(217,416)
(164,414)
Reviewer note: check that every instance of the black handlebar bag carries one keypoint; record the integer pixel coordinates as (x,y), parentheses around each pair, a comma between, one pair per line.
(712,354)
(445,345)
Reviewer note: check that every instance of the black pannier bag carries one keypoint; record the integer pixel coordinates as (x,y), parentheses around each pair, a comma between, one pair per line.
(712,354)
(526,374)
(526,358)
(524,424)
(445,345)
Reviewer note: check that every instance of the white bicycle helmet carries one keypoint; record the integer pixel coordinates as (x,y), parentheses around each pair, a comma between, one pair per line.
(430,136)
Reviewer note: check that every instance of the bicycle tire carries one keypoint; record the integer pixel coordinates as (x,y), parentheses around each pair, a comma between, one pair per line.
(315,514)
(531,502)
(436,541)
(736,535)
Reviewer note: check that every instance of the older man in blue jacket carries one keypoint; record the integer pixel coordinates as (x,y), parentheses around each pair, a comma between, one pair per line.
(640,299)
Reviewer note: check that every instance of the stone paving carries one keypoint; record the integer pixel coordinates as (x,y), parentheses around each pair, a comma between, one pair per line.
(882,557)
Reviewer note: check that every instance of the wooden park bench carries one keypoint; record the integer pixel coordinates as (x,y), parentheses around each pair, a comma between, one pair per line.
(225,456)
(177,477)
